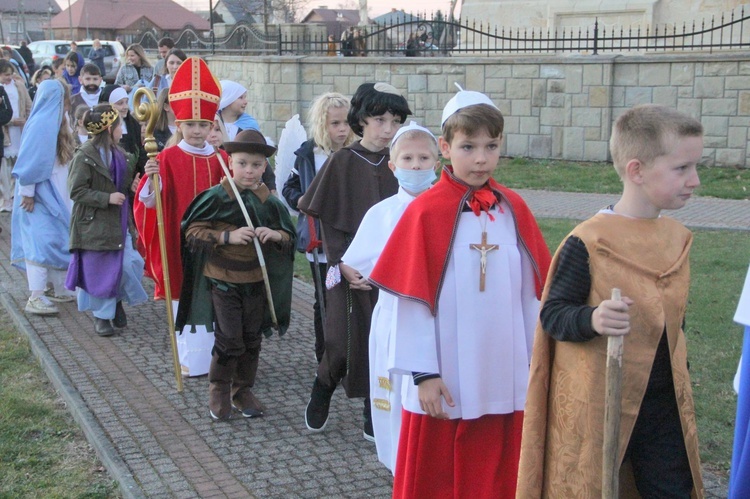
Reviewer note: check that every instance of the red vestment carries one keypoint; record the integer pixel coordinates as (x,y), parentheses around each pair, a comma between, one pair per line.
(183,177)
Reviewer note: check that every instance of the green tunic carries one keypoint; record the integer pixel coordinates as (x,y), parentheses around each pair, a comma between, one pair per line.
(218,205)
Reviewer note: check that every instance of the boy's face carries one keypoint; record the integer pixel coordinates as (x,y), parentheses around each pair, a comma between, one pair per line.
(336,126)
(474,158)
(377,131)
(247,169)
(71,67)
(414,153)
(121,106)
(7,76)
(214,137)
(669,182)
(90,83)
(195,132)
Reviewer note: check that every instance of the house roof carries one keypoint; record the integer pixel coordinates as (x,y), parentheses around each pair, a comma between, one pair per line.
(395,17)
(119,14)
(29,6)
(243,10)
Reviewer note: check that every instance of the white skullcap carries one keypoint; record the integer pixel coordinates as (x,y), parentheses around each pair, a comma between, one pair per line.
(462,99)
(413,125)
(117,95)
(230,92)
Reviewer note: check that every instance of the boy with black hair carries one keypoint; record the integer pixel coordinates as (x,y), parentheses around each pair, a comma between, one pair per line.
(218,243)
(630,246)
(466,264)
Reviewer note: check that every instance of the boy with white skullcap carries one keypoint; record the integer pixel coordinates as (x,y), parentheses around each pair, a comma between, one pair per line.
(414,159)
(466,264)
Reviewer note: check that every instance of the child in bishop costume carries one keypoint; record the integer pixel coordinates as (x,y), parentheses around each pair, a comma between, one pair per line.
(223,281)
(354,178)
(628,246)
(466,264)
(414,158)
(185,170)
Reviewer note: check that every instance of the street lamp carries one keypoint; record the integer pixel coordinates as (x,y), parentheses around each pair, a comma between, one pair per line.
(70,21)
(49,20)
(211,24)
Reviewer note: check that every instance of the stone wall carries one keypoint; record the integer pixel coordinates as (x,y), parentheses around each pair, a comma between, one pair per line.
(555,107)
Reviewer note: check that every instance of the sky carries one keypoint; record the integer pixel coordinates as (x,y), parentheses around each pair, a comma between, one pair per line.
(375,7)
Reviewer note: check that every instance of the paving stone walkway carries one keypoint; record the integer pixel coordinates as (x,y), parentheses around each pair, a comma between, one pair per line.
(159,443)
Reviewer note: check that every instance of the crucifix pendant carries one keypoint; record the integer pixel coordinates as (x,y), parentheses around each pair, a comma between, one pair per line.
(483,249)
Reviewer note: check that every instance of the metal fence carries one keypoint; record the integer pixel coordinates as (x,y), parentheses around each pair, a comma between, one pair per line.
(423,36)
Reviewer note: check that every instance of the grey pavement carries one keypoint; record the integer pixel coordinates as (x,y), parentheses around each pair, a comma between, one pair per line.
(159,443)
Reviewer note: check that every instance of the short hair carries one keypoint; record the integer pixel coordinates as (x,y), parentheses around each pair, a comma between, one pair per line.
(472,119)
(5,65)
(173,51)
(317,117)
(138,49)
(412,135)
(91,69)
(165,42)
(648,131)
(368,101)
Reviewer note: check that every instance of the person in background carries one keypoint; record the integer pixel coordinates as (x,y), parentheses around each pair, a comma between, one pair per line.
(331,49)
(6,115)
(163,79)
(71,72)
(96,56)
(165,125)
(164,45)
(20,102)
(58,66)
(81,134)
(39,76)
(136,71)
(28,57)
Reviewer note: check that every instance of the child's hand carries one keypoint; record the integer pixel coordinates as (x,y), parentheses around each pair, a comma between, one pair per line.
(117,198)
(430,391)
(611,318)
(243,235)
(267,235)
(151,167)
(355,279)
(136,181)
(27,203)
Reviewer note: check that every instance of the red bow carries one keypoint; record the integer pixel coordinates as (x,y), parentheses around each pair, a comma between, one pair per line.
(483,200)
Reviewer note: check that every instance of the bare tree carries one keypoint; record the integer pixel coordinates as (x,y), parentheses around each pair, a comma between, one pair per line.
(287,11)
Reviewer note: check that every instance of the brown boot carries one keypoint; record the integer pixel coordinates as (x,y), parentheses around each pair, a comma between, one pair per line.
(219,390)
(243,398)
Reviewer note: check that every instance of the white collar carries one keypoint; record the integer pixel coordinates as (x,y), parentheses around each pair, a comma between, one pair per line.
(206,150)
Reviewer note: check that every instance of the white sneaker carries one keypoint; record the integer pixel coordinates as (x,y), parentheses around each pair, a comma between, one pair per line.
(40,306)
(62,298)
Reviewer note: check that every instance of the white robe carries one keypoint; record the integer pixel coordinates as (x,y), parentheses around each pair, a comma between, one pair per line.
(479,342)
(385,388)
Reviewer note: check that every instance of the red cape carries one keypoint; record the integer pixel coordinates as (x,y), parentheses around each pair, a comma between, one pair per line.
(183,176)
(413,262)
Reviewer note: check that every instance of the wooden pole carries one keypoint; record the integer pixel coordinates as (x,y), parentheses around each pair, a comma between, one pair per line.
(612,413)
(146,110)
(256,242)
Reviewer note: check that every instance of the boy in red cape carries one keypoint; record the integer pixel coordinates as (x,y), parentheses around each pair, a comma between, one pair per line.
(185,170)
(467,262)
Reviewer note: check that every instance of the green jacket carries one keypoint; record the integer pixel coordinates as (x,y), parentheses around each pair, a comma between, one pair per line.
(216,204)
(94,223)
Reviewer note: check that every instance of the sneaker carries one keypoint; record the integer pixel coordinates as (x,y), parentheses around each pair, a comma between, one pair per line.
(316,413)
(367,430)
(41,306)
(63,298)
(121,320)
(103,327)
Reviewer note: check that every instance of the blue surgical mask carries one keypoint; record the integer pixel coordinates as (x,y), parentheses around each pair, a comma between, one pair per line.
(415,181)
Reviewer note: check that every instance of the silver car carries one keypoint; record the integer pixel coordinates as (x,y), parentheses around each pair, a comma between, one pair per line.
(113,55)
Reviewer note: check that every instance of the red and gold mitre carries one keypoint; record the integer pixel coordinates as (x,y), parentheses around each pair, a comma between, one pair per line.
(195,92)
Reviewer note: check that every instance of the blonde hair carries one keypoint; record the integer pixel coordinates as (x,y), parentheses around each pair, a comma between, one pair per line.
(175,139)
(470,120)
(648,131)
(138,49)
(413,135)
(162,123)
(317,117)
(66,141)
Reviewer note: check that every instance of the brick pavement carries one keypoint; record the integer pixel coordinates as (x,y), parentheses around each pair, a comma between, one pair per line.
(159,443)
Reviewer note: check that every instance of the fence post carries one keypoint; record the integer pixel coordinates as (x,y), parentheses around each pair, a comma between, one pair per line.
(596,36)
(279,51)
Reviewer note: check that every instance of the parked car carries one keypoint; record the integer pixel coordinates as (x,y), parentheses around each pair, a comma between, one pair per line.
(46,51)
(113,55)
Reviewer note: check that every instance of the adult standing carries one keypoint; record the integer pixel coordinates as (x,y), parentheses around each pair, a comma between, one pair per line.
(96,56)
(137,69)
(163,79)
(28,58)
(164,45)
(20,103)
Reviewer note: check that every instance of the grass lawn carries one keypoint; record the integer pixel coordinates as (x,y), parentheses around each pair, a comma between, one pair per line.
(522,173)
(41,447)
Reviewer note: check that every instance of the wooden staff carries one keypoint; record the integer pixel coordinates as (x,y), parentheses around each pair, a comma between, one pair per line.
(146,110)
(256,242)
(612,413)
